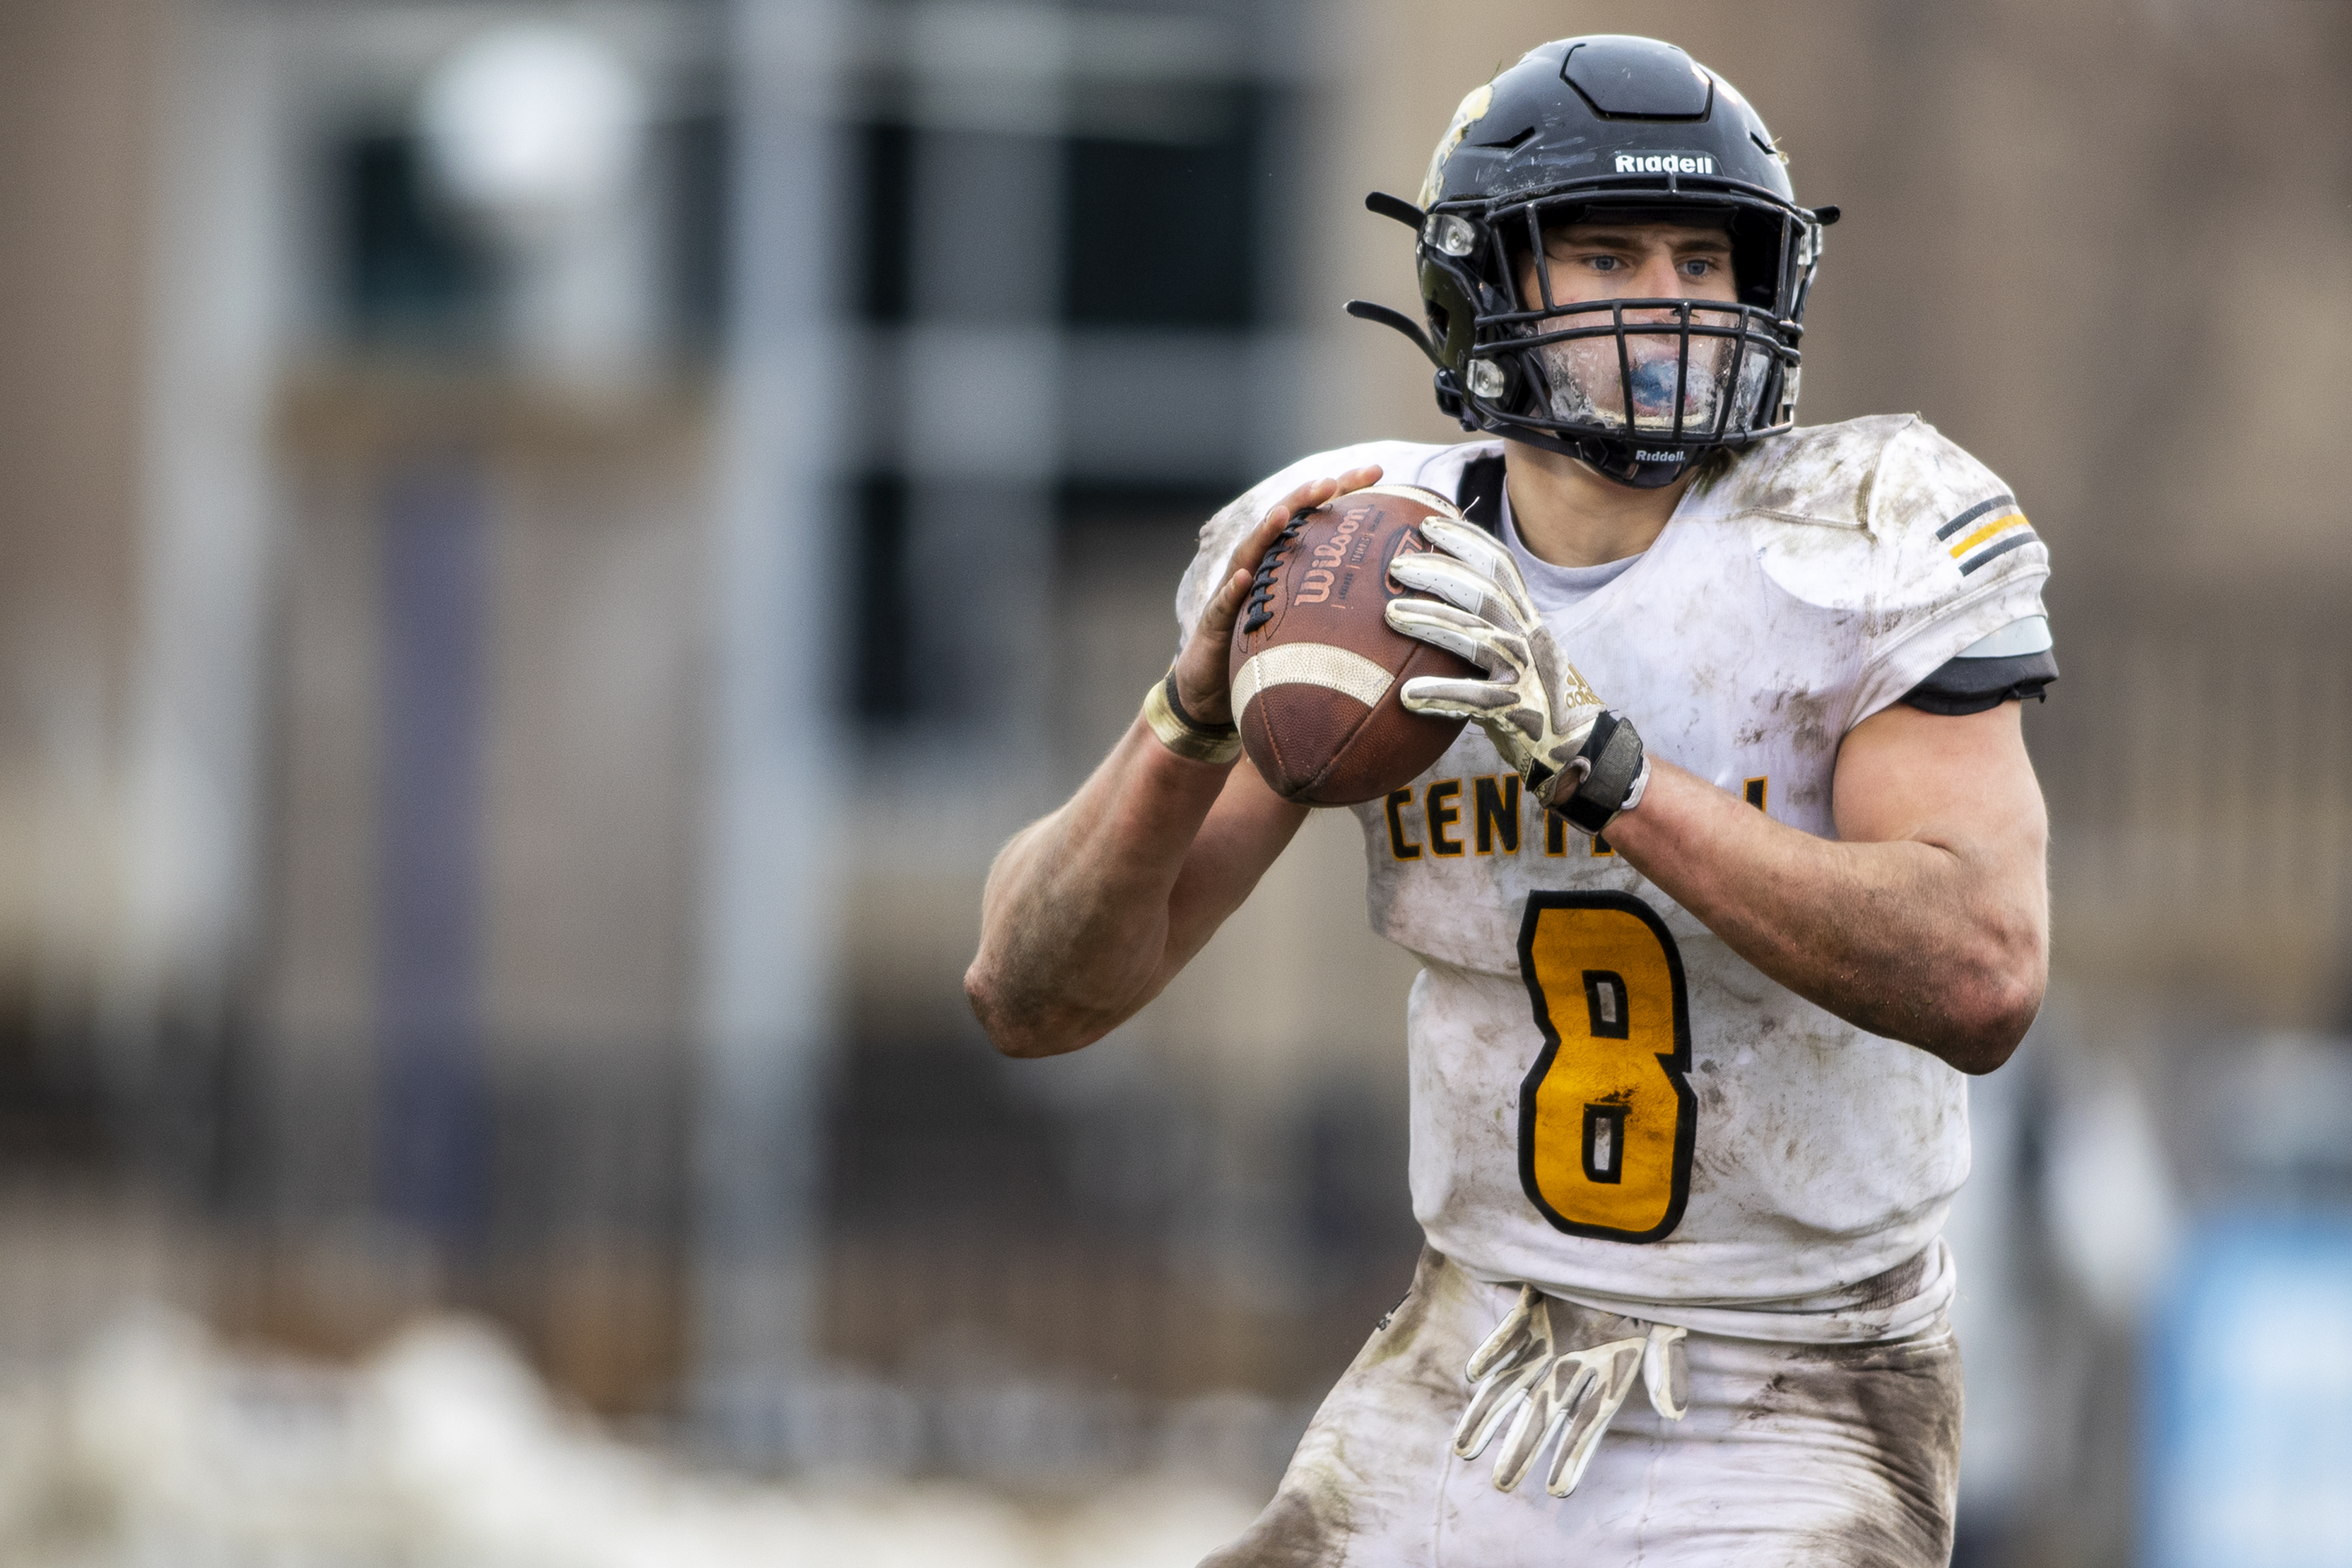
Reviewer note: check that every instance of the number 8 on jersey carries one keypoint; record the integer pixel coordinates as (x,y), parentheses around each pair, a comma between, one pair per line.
(1607,1119)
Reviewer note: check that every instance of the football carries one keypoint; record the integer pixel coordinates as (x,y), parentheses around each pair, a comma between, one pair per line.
(1315,668)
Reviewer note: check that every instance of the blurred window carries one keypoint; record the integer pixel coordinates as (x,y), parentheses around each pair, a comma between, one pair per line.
(1180,508)
(1156,224)
(411,269)
(881,681)
(884,180)
(1162,231)
(691,160)
(1160,217)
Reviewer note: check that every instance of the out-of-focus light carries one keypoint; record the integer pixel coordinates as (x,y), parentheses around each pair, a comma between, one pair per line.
(2250,1399)
(2109,1198)
(533,122)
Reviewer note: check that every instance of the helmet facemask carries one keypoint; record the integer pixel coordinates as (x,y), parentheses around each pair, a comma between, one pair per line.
(1646,369)
(1653,380)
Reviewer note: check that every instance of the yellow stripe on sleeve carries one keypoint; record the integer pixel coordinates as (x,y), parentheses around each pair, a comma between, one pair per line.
(1999,525)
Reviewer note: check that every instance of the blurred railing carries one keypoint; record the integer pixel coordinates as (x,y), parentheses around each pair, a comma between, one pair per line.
(572,1234)
(1015,1288)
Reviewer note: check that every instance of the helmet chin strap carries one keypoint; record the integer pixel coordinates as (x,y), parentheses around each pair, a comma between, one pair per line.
(1616,463)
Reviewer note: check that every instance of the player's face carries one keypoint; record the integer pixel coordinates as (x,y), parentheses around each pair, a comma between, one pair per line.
(1594,263)
(1632,261)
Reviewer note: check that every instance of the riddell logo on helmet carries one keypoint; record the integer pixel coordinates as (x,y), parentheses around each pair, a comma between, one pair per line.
(1640,457)
(1665,163)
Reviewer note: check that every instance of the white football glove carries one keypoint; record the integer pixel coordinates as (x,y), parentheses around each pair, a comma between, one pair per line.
(1578,757)
(1570,1392)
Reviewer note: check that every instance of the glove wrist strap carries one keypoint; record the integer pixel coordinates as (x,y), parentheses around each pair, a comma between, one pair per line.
(1607,776)
(1181,733)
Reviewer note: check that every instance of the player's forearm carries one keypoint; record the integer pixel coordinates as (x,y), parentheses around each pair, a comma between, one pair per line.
(1091,911)
(1922,942)
(1075,922)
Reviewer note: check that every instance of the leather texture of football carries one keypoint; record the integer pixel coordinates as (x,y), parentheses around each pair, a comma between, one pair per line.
(1315,669)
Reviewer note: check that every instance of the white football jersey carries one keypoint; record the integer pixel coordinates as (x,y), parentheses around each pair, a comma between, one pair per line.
(1607,1101)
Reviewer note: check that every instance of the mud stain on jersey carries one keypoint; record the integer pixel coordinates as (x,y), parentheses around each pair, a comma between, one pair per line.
(1893,1286)
(1899,1405)
(1804,717)
(1821,474)
(1380,892)
(1863,483)
(1825,1046)
(1714,1103)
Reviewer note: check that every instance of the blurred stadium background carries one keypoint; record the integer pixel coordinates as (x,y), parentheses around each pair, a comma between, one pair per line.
(543,546)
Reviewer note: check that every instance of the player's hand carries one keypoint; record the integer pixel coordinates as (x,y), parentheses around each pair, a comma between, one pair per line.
(1204,668)
(1559,1390)
(1537,709)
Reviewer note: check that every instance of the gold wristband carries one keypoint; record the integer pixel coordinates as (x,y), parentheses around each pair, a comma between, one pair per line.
(1194,742)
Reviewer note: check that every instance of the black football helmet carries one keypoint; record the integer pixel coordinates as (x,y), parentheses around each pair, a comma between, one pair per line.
(1591,127)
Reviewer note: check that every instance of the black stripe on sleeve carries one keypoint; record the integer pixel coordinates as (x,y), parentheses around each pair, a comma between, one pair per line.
(1972,514)
(2024,536)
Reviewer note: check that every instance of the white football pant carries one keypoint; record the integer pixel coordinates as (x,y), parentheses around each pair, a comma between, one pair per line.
(1806,1455)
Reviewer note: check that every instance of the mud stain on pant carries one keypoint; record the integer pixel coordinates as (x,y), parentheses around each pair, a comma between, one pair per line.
(1895,1409)
(1825,1456)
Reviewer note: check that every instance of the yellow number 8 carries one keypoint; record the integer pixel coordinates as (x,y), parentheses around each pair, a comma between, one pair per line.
(1607,1119)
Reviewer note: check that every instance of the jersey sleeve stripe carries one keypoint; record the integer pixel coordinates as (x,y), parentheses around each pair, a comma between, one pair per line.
(1972,514)
(2021,537)
(1999,525)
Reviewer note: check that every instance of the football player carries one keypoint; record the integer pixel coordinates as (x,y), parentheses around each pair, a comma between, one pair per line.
(1756,879)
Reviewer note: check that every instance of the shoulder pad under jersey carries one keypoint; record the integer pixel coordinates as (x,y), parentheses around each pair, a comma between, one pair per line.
(1882,515)
(1949,530)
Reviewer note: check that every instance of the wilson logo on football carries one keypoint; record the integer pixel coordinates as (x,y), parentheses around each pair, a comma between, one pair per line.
(1665,163)
(1314,583)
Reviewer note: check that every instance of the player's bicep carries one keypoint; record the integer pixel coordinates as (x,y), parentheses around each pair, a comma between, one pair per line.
(1962,782)
(1245,832)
